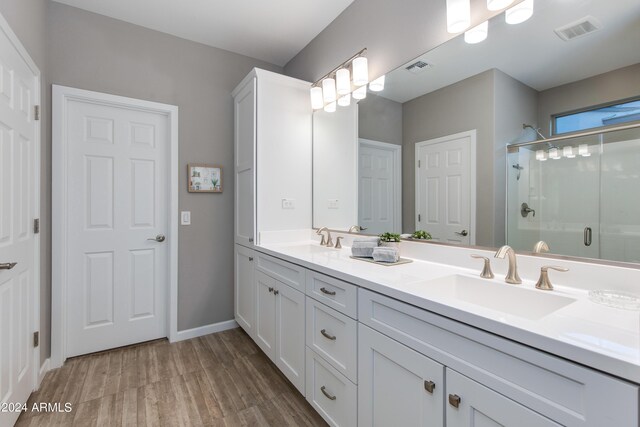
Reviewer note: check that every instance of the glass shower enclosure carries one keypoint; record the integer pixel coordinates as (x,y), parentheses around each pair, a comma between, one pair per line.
(580,194)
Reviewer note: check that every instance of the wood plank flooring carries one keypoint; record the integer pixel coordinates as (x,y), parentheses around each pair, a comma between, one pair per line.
(217,380)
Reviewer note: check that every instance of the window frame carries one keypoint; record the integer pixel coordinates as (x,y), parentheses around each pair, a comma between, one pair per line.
(554,117)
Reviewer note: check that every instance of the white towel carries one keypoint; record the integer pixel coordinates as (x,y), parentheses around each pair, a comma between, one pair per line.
(386,254)
(363,249)
(375,239)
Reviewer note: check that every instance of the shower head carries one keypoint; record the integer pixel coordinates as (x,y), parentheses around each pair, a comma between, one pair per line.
(537,130)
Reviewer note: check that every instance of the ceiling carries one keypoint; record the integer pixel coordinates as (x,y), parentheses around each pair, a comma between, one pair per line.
(531,52)
(273,31)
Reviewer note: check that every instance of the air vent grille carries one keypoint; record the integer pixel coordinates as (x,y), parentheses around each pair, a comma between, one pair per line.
(580,28)
(418,66)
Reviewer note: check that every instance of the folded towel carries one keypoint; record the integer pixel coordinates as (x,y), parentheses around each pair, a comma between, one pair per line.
(386,254)
(375,239)
(363,249)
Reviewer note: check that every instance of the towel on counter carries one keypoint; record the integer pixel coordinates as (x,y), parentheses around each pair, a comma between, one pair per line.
(374,239)
(386,254)
(363,248)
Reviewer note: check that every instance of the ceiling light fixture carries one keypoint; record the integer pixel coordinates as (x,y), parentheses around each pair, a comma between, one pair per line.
(519,13)
(498,4)
(458,15)
(477,34)
(377,85)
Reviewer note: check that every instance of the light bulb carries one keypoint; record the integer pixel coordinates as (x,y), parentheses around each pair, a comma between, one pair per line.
(583,150)
(345,100)
(477,34)
(316,98)
(360,71)
(458,15)
(519,13)
(568,152)
(343,81)
(329,90)
(377,85)
(541,155)
(554,154)
(330,107)
(360,93)
(498,4)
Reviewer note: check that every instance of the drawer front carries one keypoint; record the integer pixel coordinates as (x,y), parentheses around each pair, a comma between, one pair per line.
(339,295)
(330,393)
(334,337)
(283,271)
(562,391)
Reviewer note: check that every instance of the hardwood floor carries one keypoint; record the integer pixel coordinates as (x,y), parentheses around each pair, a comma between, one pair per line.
(217,380)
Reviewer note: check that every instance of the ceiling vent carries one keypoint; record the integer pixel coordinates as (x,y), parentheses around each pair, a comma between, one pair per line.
(579,28)
(418,66)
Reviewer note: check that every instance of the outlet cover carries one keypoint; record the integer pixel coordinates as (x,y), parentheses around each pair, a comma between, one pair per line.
(288,204)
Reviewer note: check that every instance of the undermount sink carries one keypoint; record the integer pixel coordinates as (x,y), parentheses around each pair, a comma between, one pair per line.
(310,249)
(508,299)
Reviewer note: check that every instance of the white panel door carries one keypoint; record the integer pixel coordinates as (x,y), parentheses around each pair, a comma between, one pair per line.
(117,194)
(443,188)
(244,295)
(470,404)
(245,145)
(290,317)
(18,209)
(397,385)
(378,185)
(265,322)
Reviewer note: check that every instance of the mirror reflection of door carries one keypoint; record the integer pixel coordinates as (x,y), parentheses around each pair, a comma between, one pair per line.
(444,191)
(379,187)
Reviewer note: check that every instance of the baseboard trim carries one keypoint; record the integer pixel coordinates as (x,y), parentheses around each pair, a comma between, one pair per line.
(44,368)
(205,330)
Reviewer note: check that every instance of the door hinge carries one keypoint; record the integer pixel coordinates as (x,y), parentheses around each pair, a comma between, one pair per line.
(36,112)
(418,163)
(36,338)
(419,218)
(36,226)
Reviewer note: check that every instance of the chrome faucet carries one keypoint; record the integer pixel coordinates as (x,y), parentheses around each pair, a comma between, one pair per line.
(540,247)
(329,240)
(512,275)
(356,229)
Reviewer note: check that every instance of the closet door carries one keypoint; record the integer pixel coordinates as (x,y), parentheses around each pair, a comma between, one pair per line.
(245,143)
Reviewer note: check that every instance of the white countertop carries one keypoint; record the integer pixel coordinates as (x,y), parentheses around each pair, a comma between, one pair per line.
(603,338)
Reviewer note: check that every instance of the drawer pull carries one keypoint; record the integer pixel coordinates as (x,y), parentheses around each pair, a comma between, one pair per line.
(454,400)
(270,289)
(327,336)
(323,389)
(325,291)
(429,386)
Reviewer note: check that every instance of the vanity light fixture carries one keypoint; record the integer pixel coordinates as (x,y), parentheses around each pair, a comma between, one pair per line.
(316,98)
(583,150)
(329,90)
(345,100)
(458,15)
(360,93)
(330,107)
(360,71)
(541,155)
(498,4)
(568,152)
(343,81)
(554,153)
(519,13)
(477,34)
(377,85)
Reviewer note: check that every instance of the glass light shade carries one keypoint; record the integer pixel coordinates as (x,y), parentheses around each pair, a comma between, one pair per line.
(345,100)
(377,85)
(519,13)
(498,4)
(329,90)
(541,155)
(477,34)
(316,98)
(583,150)
(554,154)
(568,152)
(330,107)
(360,93)
(343,81)
(458,15)
(360,71)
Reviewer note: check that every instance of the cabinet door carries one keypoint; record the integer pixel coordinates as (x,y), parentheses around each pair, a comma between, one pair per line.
(244,295)
(290,310)
(265,330)
(397,386)
(472,404)
(245,142)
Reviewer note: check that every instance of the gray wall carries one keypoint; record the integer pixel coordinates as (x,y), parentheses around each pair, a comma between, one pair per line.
(601,89)
(27,19)
(380,119)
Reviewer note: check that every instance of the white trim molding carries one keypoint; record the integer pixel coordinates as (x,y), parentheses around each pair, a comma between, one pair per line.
(187,334)
(44,368)
(61,96)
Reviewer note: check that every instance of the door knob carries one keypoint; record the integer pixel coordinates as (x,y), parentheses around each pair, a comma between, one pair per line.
(7,265)
(463,233)
(159,238)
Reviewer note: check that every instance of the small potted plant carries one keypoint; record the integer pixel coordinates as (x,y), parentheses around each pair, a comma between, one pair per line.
(390,239)
(421,235)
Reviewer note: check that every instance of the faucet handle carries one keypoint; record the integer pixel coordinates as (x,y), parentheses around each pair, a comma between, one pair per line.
(543,282)
(338,244)
(323,241)
(486,270)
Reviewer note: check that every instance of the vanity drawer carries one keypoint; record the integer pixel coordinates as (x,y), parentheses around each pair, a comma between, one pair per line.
(333,336)
(283,271)
(568,393)
(330,393)
(335,293)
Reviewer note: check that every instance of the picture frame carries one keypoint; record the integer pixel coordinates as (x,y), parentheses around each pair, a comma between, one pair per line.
(204,178)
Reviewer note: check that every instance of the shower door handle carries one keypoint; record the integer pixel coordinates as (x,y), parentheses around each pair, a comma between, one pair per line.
(588,235)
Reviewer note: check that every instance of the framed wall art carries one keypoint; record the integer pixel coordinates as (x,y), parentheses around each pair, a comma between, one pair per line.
(204,178)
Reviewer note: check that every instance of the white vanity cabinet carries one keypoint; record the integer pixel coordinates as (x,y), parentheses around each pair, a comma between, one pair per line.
(244,306)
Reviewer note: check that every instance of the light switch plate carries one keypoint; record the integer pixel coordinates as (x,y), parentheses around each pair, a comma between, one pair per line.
(333,204)
(185,218)
(288,204)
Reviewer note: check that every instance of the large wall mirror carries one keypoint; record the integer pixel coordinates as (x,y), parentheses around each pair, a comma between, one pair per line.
(532,134)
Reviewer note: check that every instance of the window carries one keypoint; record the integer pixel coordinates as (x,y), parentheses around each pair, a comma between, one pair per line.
(624,112)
